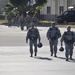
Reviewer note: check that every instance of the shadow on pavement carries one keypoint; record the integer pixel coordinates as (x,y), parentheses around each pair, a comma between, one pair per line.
(61,57)
(65,59)
(72,60)
(43,58)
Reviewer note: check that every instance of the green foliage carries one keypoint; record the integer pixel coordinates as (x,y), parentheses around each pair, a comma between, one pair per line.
(22,6)
(17,3)
(40,2)
(8,8)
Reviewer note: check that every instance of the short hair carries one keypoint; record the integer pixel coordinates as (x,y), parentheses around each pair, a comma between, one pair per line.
(53,23)
(68,26)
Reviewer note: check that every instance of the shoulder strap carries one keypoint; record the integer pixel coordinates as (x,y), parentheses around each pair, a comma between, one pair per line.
(65,32)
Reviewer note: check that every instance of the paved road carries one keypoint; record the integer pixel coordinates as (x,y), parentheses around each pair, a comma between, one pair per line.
(16,61)
(15,58)
(13,36)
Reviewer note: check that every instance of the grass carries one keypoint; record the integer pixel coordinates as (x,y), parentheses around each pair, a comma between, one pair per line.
(42,21)
(3,21)
(45,21)
(58,25)
(63,26)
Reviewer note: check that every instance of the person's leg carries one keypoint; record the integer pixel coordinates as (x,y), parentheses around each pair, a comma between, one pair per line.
(55,47)
(67,51)
(31,48)
(27,25)
(9,23)
(22,27)
(51,47)
(71,51)
(35,46)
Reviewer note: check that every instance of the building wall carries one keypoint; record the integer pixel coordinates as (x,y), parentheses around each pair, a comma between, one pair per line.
(54,4)
(57,8)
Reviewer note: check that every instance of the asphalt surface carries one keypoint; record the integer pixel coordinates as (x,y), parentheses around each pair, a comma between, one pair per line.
(15,57)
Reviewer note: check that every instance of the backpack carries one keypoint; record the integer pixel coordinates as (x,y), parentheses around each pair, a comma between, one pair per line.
(33,34)
(57,34)
(69,39)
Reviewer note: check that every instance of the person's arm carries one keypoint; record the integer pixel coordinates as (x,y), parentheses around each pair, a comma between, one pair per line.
(27,37)
(74,36)
(59,33)
(48,34)
(62,39)
(38,34)
(26,40)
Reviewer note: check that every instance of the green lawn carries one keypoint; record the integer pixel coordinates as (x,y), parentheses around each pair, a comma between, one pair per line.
(3,21)
(45,22)
(59,25)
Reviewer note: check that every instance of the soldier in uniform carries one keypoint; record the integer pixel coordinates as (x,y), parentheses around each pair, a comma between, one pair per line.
(68,38)
(17,19)
(34,19)
(9,20)
(33,35)
(53,34)
(22,21)
(27,21)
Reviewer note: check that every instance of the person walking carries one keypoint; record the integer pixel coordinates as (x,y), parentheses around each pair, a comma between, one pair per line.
(21,19)
(17,17)
(35,20)
(27,21)
(9,17)
(33,35)
(68,38)
(53,34)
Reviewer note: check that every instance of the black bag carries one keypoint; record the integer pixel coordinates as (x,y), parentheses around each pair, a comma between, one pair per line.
(57,35)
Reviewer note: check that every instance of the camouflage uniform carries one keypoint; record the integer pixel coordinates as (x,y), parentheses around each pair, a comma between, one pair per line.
(34,20)
(17,20)
(53,34)
(27,21)
(68,38)
(9,20)
(33,35)
(22,21)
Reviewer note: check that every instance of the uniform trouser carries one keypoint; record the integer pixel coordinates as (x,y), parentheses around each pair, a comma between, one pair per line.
(53,45)
(33,43)
(22,26)
(9,23)
(27,25)
(69,50)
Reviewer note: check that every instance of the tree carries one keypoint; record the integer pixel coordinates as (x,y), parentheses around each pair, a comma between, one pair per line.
(40,2)
(37,6)
(22,6)
(18,3)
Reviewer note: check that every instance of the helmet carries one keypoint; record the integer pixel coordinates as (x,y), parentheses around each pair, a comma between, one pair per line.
(39,45)
(61,49)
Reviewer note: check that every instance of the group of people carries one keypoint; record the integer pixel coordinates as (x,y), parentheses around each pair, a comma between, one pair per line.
(21,20)
(53,34)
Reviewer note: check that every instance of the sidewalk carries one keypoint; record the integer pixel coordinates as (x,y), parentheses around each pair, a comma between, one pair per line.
(17,61)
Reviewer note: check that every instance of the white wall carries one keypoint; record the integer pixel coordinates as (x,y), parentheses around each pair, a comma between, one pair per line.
(54,6)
